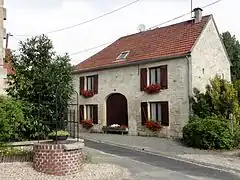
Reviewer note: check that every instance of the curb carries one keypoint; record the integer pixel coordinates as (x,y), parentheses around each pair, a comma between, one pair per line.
(168,155)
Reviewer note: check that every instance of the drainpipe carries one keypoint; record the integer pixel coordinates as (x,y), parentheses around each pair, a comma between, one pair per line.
(190,94)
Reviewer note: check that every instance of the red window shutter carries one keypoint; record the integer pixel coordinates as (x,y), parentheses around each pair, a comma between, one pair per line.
(164,77)
(81,111)
(81,84)
(165,113)
(143,78)
(95,84)
(144,112)
(95,114)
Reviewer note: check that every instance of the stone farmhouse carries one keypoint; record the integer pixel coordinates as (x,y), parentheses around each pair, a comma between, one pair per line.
(176,58)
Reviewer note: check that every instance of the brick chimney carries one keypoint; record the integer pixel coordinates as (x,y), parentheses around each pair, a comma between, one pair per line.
(197,14)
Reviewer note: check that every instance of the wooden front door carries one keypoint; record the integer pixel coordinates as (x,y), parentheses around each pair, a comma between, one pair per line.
(117,110)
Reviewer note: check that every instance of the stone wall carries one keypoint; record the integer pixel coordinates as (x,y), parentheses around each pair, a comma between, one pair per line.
(126,80)
(209,58)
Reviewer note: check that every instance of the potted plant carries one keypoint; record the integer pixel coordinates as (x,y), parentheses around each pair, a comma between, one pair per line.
(86,93)
(87,123)
(154,126)
(58,135)
(152,88)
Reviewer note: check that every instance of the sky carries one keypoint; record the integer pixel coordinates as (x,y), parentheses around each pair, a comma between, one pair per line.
(35,17)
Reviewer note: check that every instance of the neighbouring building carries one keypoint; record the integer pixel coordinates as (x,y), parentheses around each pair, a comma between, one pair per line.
(3,69)
(179,57)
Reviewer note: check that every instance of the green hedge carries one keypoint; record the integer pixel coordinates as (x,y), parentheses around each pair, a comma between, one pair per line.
(17,122)
(208,133)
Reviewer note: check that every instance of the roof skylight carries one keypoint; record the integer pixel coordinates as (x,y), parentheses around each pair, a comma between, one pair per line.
(123,55)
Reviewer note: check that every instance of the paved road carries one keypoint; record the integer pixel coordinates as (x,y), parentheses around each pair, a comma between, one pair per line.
(148,166)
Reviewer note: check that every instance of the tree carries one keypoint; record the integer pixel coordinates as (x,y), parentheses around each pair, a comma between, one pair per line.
(42,78)
(233,49)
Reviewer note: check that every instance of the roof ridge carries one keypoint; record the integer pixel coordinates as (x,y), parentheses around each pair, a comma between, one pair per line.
(157,28)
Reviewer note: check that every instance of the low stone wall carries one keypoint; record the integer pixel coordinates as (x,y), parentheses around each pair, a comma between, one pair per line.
(57,159)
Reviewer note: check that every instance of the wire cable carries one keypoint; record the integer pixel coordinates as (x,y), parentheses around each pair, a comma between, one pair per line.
(215,2)
(85,22)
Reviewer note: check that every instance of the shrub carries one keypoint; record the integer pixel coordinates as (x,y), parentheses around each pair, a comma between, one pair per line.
(208,133)
(11,120)
(220,99)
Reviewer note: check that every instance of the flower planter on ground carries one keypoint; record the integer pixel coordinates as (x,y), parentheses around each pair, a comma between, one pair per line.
(152,89)
(86,93)
(115,128)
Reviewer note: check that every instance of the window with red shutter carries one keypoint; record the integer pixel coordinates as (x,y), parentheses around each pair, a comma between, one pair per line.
(159,75)
(143,78)
(165,113)
(81,84)
(81,111)
(95,84)
(144,112)
(164,77)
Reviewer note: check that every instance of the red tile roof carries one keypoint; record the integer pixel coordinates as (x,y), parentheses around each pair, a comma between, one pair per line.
(9,68)
(174,40)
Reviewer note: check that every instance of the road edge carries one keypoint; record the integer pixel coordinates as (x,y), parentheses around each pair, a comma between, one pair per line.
(168,155)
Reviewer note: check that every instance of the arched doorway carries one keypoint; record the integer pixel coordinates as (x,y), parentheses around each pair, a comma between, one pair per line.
(117,109)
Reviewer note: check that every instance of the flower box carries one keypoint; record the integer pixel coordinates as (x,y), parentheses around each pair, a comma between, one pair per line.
(154,126)
(87,124)
(152,88)
(86,93)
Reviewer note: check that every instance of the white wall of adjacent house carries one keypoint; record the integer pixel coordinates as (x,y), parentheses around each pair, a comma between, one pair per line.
(126,80)
(209,58)
(3,72)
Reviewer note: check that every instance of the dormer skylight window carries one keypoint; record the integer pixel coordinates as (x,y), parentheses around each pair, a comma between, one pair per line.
(123,55)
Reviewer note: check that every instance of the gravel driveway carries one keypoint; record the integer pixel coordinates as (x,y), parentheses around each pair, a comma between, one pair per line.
(24,171)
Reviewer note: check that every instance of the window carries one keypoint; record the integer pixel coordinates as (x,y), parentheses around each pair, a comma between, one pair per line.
(90,83)
(155,112)
(92,113)
(154,75)
(89,114)
(157,75)
(123,55)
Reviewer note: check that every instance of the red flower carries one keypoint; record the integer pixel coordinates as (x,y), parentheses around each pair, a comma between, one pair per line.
(154,126)
(123,126)
(86,93)
(87,123)
(152,88)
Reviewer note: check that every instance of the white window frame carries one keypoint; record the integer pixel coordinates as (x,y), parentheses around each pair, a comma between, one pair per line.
(89,112)
(153,108)
(124,57)
(91,83)
(156,81)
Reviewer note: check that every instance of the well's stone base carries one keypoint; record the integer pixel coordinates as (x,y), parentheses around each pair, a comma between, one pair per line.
(57,159)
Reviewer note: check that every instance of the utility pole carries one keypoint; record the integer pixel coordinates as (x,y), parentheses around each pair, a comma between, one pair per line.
(7,39)
(191,8)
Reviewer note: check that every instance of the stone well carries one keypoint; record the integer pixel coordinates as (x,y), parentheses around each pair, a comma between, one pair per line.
(60,159)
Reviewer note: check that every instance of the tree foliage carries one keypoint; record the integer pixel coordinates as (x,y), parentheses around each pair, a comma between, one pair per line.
(233,49)
(42,78)
(220,99)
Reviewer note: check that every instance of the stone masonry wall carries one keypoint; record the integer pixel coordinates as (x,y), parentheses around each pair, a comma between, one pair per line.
(126,80)
(209,58)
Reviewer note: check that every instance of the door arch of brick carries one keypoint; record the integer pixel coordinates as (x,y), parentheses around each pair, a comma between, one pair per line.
(117,109)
